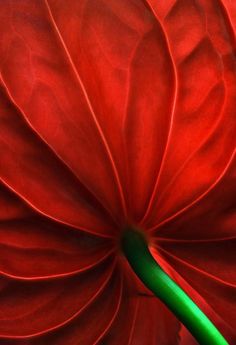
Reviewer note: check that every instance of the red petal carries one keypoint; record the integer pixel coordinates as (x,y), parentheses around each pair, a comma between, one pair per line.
(34,308)
(32,246)
(116,44)
(89,327)
(212,218)
(90,93)
(31,169)
(201,140)
(53,99)
(230,11)
(36,249)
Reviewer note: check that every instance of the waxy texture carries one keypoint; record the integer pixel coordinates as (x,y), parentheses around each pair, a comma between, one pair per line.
(115,112)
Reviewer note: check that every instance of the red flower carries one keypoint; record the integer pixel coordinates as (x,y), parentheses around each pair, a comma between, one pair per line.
(115,112)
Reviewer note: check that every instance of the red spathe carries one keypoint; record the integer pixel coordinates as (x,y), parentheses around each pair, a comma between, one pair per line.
(115,112)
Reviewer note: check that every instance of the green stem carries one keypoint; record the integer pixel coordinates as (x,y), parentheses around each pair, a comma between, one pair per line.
(147,269)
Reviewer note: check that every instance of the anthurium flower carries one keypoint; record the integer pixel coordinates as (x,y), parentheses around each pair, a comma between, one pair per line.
(115,114)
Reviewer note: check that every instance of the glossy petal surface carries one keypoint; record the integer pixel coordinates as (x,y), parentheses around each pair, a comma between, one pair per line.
(115,112)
